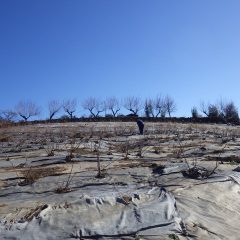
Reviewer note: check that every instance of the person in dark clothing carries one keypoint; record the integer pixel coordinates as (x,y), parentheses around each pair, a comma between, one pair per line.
(140,124)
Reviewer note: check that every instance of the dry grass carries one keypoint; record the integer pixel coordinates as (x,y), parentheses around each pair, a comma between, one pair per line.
(34,212)
(62,189)
(5,138)
(31,175)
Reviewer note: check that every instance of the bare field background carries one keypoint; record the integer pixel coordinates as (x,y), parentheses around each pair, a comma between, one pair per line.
(54,164)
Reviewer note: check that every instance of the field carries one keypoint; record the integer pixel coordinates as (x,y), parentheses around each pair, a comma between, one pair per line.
(105,181)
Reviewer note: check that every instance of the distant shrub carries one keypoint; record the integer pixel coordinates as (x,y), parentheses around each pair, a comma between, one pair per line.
(231,113)
(213,112)
(194,112)
(64,117)
(109,116)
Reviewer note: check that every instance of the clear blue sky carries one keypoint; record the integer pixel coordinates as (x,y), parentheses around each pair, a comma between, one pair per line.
(55,49)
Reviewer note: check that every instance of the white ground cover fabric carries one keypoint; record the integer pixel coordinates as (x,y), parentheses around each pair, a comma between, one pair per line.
(210,210)
(151,213)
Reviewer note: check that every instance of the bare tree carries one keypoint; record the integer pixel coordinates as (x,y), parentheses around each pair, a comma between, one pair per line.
(149,108)
(221,111)
(221,104)
(133,104)
(94,106)
(230,112)
(215,111)
(194,112)
(204,108)
(27,109)
(54,107)
(113,105)
(8,115)
(160,106)
(69,106)
(170,105)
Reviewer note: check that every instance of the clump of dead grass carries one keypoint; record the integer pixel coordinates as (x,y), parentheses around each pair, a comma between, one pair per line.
(34,213)
(62,189)
(4,138)
(31,175)
(65,186)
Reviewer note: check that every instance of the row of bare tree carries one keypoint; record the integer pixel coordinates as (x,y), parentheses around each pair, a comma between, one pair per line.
(221,111)
(111,106)
(160,106)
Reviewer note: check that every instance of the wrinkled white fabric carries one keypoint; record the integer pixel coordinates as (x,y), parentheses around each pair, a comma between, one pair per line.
(150,213)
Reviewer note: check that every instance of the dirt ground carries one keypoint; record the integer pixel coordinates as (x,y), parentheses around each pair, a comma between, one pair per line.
(55,164)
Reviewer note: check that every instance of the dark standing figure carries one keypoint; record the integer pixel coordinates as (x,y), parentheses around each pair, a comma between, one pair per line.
(140,124)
